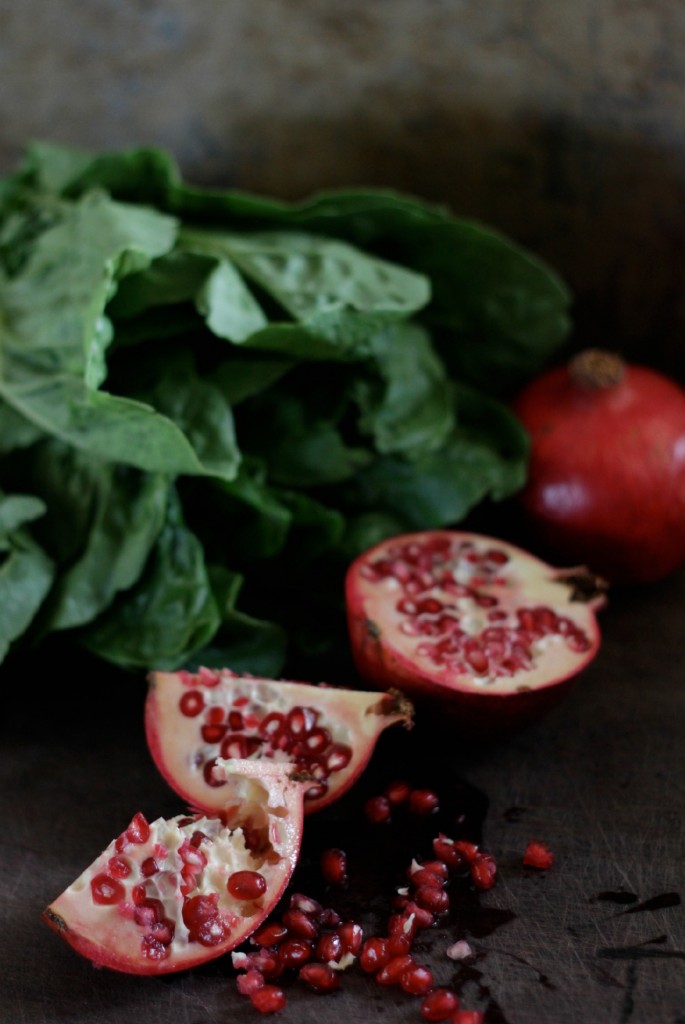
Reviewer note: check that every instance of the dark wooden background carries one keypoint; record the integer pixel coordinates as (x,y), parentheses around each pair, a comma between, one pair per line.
(563,125)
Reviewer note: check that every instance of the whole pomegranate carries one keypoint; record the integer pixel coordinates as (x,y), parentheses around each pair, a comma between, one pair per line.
(607,472)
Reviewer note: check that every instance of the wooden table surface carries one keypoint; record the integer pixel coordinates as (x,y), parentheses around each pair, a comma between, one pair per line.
(599,938)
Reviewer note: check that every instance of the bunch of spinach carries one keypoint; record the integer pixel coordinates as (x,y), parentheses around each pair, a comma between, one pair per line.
(210,401)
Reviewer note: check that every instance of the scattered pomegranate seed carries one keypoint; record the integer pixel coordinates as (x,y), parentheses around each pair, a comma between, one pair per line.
(399,944)
(459,950)
(294,952)
(320,977)
(374,955)
(467,1017)
(538,855)
(391,973)
(300,924)
(397,792)
(249,982)
(351,936)
(417,980)
(439,1004)
(423,801)
(268,999)
(334,866)
(329,948)
(105,890)
(377,809)
(270,934)
(423,877)
(446,851)
(483,871)
(431,898)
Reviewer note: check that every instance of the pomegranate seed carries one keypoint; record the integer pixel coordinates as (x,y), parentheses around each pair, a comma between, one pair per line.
(149,867)
(329,918)
(439,1004)
(249,982)
(138,894)
(377,809)
(139,830)
(483,871)
(320,977)
(430,898)
(433,867)
(246,885)
(270,935)
(334,866)
(374,955)
(305,904)
(459,950)
(446,851)
(423,801)
(202,919)
(423,877)
(397,792)
(299,924)
(417,980)
(191,703)
(399,944)
(268,999)
(402,924)
(106,890)
(392,972)
(329,948)
(351,936)
(467,1017)
(119,867)
(153,949)
(338,757)
(294,952)
(538,855)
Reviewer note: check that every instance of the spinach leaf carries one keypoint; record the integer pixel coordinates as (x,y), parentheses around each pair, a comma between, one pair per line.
(26,572)
(169,614)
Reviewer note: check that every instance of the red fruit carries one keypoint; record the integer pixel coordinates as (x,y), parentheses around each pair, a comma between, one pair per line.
(483,871)
(325,731)
(467,1017)
(423,801)
(439,1004)
(607,469)
(510,635)
(320,977)
(184,914)
(391,973)
(417,980)
(377,809)
(334,866)
(374,955)
(268,999)
(397,792)
(538,855)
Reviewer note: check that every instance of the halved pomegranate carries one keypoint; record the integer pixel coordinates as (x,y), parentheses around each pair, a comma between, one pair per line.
(482,627)
(170,894)
(191,719)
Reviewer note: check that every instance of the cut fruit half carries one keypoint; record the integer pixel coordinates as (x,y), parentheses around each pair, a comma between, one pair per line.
(473,624)
(173,893)
(191,719)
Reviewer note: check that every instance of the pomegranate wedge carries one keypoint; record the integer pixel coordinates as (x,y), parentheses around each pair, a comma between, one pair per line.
(170,894)
(191,719)
(479,626)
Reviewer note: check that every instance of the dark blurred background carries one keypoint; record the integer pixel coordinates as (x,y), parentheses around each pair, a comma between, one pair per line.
(560,123)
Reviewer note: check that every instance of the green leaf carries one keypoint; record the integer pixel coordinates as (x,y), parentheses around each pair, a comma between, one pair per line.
(53,309)
(18,509)
(169,614)
(107,426)
(26,575)
(409,410)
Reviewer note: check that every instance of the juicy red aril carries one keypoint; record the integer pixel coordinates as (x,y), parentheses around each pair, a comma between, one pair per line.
(270,935)
(483,871)
(467,1017)
(246,885)
(213,733)
(392,972)
(148,912)
(329,947)
(208,774)
(377,809)
(430,898)
(268,999)
(319,977)
(300,924)
(249,982)
(421,916)
(202,919)
(374,955)
(397,792)
(149,867)
(118,867)
(191,703)
(416,980)
(400,943)
(447,852)
(423,801)
(351,936)
(153,949)
(439,1004)
(424,877)
(334,866)
(294,952)
(538,855)
(139,830)
(106,890)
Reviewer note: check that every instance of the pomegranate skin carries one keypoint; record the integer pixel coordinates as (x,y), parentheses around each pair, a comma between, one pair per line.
(607,471)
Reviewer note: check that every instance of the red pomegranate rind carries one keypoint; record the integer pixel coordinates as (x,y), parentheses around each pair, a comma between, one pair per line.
(183,914)
(327,732)
(486,629)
